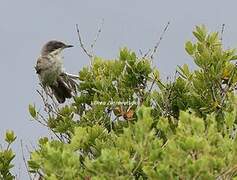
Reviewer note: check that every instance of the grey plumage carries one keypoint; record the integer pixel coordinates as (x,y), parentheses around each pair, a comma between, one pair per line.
(49,68)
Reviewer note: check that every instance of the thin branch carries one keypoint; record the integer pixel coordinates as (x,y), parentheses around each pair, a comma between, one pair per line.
(222,31)
(97,35)
(48,93)
(42,117)
(49,107)
(146,54)
(152,85)
(159,41)
(24,160)
(81,43)
(140,52)
(18,176)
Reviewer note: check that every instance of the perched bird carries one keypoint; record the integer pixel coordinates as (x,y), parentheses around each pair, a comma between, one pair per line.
(49,68)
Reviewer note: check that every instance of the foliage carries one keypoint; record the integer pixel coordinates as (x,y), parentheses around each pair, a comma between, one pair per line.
(7,156)
(125,123)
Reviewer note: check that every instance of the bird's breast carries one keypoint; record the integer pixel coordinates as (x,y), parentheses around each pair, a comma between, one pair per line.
(50,74)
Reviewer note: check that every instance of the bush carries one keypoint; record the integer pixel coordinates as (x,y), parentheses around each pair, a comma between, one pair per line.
(125,123)
(7,156)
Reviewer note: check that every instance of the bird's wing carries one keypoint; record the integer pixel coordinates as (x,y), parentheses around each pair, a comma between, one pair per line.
(42,64)
(73,76)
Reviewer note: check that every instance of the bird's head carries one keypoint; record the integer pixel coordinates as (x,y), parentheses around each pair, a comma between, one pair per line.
(54,47)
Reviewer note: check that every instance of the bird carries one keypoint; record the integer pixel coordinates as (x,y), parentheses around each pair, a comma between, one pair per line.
(51,73)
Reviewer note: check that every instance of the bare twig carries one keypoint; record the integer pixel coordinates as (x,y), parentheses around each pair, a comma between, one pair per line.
(81,43)
(47,106)
(97,36)
(140,52)
(159,41)
(18,176)
(42,117)
(48,93)
(152,85)
(44,123)
(24,160)
(222,31)
(146,54)
(52,107)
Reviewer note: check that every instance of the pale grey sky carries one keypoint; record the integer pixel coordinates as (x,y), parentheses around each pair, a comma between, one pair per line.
(26,25)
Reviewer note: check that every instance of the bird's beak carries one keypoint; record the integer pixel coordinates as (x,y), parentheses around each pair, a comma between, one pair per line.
(68,46)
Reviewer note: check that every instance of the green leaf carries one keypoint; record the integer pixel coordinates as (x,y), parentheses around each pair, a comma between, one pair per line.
(185,73)
(189,48)
(213,37)
(233,57)
(32,111)
(200,33)
(10,136)
(198,36)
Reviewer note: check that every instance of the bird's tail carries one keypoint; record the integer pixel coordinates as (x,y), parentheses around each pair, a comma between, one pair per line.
(64,88)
